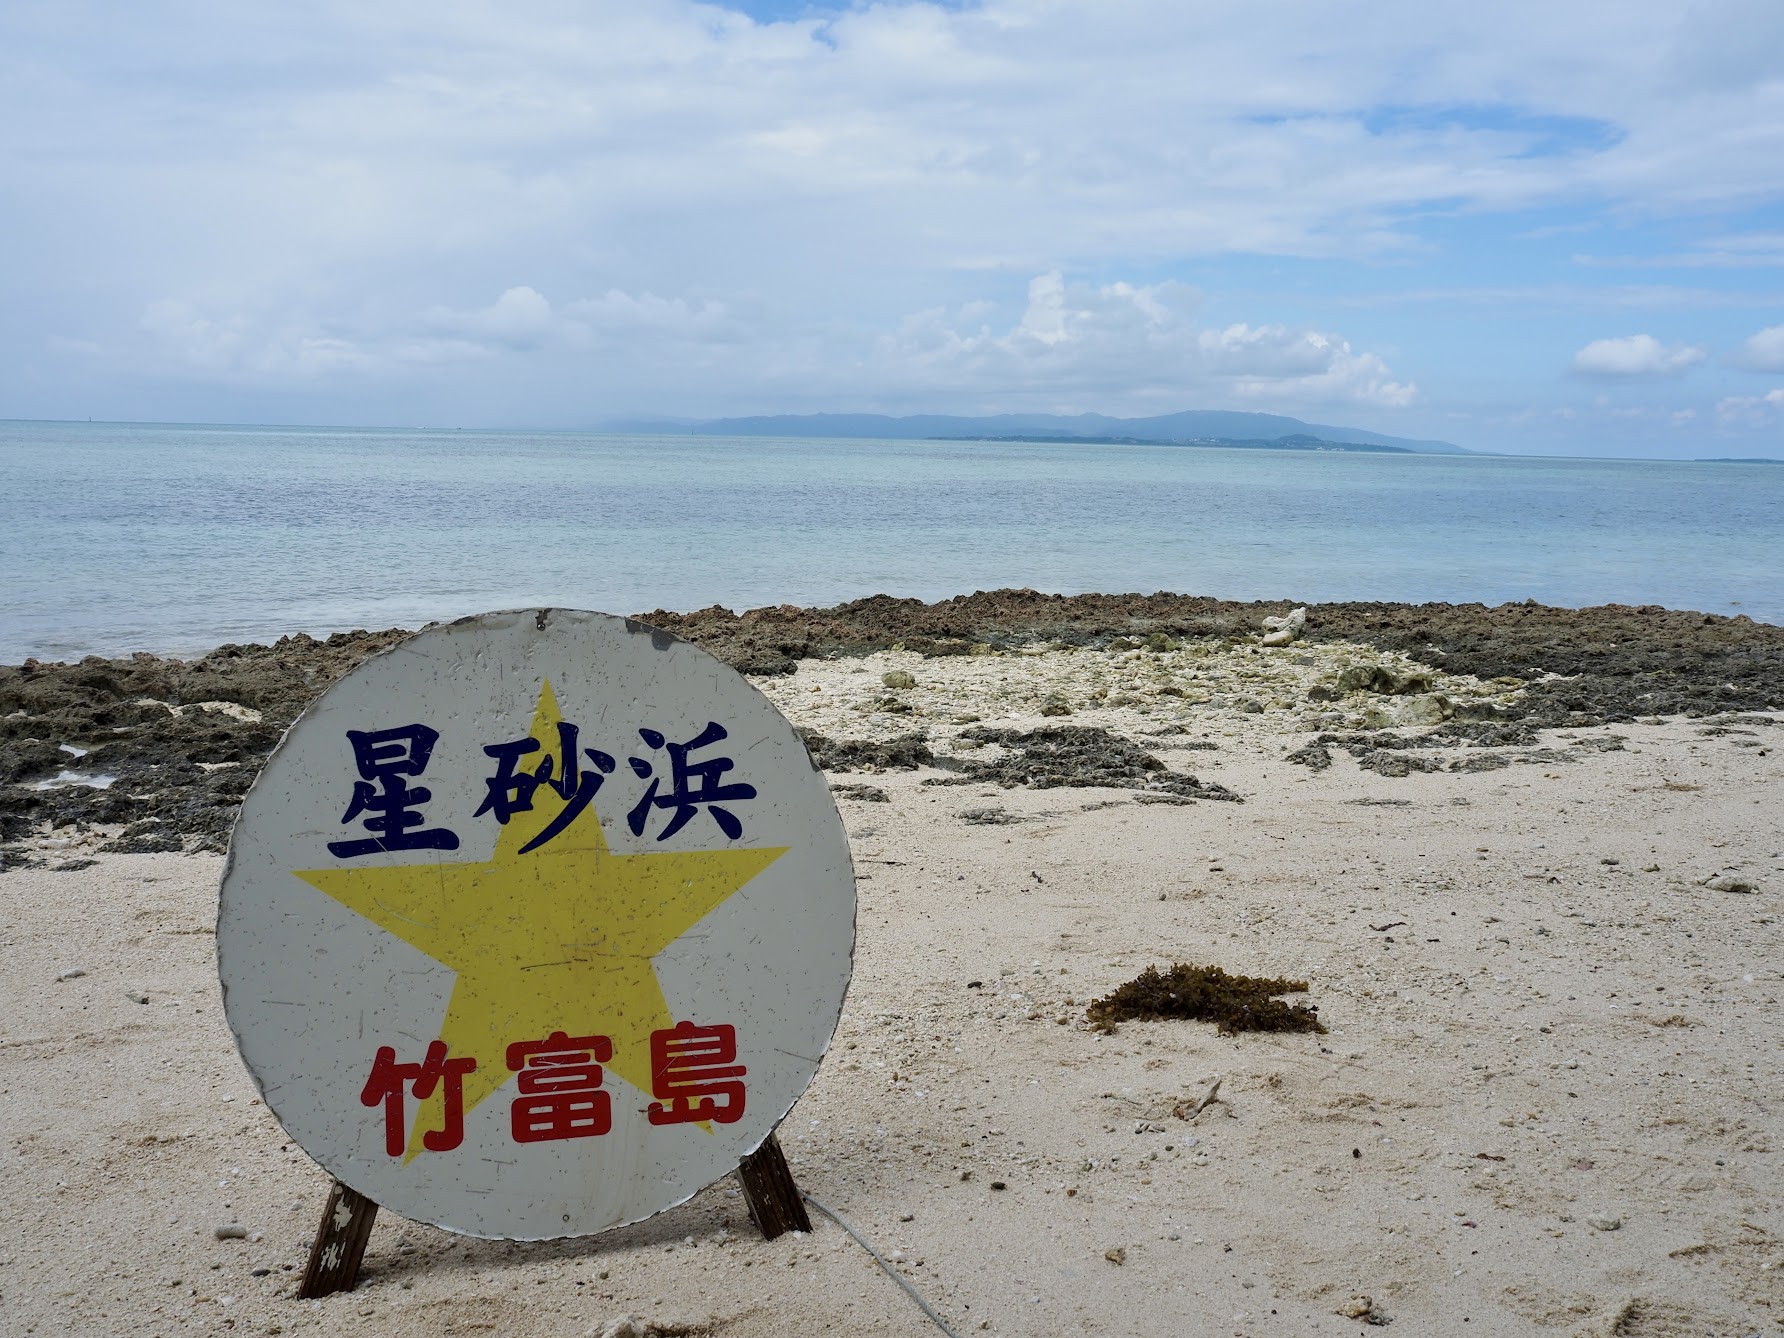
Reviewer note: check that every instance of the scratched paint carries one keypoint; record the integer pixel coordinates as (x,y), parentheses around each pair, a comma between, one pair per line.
(535,924)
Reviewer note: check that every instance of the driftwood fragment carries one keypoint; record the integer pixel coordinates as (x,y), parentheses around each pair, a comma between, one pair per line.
(1188,1110)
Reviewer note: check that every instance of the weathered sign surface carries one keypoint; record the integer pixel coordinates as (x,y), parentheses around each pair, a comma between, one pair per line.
(536,924)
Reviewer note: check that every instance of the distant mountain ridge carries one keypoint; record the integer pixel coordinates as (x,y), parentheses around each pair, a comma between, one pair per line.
(1190,425)
(1298,441)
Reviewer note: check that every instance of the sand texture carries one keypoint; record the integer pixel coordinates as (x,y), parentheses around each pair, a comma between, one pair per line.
(1550,1096)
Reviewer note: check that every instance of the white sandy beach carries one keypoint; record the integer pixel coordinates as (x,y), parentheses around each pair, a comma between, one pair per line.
(1551,1099)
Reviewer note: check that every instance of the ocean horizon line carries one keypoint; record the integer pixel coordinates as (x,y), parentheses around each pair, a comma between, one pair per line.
(1020,439)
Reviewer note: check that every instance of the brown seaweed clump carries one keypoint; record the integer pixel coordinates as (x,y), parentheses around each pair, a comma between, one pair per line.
(1207,994)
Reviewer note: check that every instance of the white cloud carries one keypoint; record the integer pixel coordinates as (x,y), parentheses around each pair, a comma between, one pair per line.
(1045,130)
(1751,410)
(1762,250)
(1139,343)
(1110,347)
(519,327)
(580,204)
(1636,355)
(625,315)
(521,318)
(1764,351)
(235,350)
(1273,362)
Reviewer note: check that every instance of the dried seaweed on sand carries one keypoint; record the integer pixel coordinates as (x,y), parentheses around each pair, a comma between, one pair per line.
(1207,994)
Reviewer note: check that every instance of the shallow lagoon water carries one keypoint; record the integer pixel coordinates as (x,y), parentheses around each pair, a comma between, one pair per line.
(174,539)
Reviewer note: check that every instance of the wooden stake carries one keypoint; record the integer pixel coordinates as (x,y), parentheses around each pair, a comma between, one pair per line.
(768,1188)
(339,1248)
(340,1243)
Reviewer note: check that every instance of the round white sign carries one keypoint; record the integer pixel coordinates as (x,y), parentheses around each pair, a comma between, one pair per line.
(536,924)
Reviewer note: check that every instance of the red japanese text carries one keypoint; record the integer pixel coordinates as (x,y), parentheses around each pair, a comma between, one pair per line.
(560,1085)
(694,1073)
(388,1080)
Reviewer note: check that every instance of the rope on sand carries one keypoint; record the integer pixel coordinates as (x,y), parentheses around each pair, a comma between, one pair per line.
(891,1272)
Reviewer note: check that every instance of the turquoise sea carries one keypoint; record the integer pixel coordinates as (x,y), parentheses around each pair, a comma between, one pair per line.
(174,539)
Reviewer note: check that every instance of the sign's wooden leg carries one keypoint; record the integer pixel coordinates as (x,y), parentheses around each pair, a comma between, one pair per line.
(768,1188)
(340,1243)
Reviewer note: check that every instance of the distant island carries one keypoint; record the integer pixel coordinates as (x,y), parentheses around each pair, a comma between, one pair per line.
(1295,441)
(1738,460)
(1191,427)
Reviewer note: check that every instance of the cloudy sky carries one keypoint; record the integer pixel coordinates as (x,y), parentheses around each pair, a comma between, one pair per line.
(1529,226)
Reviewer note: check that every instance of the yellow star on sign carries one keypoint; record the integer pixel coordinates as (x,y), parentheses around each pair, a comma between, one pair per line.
(559,938)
